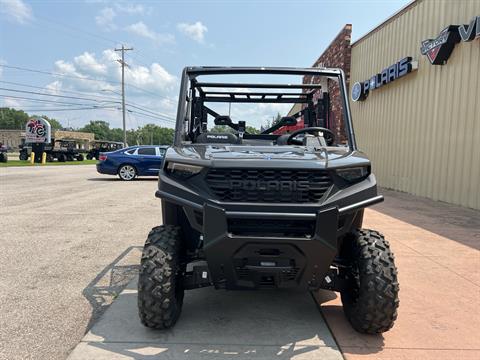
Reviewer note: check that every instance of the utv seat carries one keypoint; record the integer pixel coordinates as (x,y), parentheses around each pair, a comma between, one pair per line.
(217,138)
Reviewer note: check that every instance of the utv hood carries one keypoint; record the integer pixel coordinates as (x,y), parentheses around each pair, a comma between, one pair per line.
(265,156)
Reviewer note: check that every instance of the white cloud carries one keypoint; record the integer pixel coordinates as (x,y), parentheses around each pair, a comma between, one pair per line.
(106,19)
(143,30)
(131,8)
(54,87)
(16,10)
(76,77)
(87,62)
(151,87)
(155,77)
(195,31)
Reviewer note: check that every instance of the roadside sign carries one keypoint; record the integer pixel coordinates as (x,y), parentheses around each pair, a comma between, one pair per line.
(38,130)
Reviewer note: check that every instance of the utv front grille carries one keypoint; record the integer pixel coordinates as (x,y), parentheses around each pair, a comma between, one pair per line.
(268,185)
(271,227)
(245,273)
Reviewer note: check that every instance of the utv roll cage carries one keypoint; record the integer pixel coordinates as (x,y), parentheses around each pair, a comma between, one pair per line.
(192,110)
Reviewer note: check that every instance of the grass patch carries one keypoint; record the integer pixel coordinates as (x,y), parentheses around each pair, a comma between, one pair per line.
(12,163)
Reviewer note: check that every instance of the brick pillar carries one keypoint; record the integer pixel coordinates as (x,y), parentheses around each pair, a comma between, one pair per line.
(336,55)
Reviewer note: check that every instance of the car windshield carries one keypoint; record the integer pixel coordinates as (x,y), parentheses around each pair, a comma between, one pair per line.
(264,108)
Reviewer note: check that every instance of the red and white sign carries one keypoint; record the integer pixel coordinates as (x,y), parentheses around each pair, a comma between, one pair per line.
(38,130)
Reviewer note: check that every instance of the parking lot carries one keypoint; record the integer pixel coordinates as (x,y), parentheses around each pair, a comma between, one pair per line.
(70,243)
(63,229)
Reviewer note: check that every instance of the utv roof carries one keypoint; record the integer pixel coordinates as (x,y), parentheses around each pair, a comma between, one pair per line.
(218,70)
(232,96)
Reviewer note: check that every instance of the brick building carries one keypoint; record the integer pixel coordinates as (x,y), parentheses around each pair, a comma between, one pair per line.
(14,138)
(336,55)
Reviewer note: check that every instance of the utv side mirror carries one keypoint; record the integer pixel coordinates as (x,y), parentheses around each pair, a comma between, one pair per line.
(223,120)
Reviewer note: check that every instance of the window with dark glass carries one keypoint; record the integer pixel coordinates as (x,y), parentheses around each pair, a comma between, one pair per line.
(147,151)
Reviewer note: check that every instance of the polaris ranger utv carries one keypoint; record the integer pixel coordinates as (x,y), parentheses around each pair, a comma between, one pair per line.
(270,210)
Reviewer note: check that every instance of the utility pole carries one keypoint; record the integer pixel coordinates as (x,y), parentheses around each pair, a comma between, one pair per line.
(122,62)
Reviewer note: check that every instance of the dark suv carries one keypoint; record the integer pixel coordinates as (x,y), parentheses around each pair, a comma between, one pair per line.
(249,209)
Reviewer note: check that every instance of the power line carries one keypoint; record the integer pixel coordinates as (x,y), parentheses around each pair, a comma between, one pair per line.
(59,74)
(149,92)
(53,95)
(83,78)
(152,112)
(151,116)
(72,28)
(96,36)
(83,108)
(97,95)
(43,100)
(111,100)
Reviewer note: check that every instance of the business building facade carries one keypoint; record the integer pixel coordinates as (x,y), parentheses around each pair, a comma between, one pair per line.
(414,89)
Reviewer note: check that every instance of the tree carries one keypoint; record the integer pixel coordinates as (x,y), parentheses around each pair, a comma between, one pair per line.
(100,128)
(154,134)
(13,119)
(54,123)
(145,135)
(252,130)
(17,119)
(222,129)
(228,129)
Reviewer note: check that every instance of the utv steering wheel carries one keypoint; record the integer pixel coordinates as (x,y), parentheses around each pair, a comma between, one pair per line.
(329,139)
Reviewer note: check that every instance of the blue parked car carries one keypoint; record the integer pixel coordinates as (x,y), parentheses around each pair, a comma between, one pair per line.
(133,161)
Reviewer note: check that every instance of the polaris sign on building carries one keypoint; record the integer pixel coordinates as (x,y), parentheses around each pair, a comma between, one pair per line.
(420,127)
(360,90)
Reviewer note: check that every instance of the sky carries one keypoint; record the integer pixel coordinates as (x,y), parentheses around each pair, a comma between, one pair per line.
(65,49)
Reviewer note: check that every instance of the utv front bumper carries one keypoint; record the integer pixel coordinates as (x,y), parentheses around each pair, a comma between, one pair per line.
(242,259)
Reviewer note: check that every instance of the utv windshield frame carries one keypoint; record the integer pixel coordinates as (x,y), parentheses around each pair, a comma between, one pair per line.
(192,91)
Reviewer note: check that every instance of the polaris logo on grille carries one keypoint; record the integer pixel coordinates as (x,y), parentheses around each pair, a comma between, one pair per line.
(271,185)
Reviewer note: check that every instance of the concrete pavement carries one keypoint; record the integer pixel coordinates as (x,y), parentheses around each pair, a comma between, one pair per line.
(215,325)
(437,253)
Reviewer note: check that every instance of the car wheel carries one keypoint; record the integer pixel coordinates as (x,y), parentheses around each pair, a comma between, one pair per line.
(160,283)
(49,158)
(23,156)
(127,172)
(370,301)
(3,157)
(62,158)
(89,157)
(80,157)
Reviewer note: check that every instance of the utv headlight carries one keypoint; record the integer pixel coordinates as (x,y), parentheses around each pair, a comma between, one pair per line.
(354,174)
(182,171)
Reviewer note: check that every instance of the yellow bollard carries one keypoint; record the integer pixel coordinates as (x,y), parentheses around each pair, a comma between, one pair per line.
(32,158)
(44,158)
